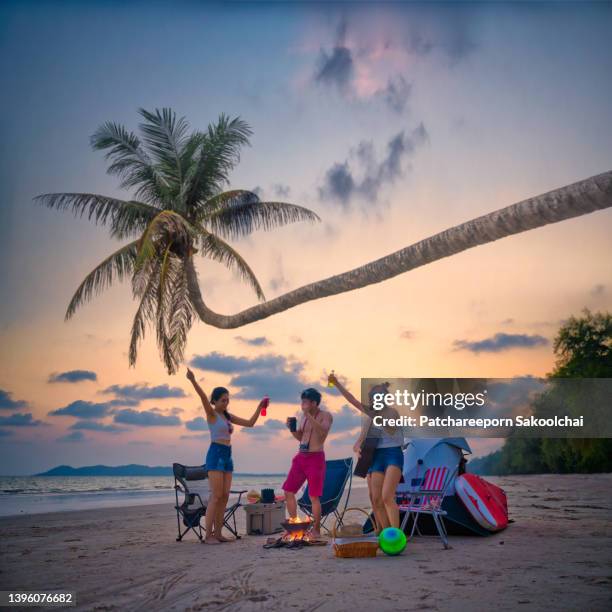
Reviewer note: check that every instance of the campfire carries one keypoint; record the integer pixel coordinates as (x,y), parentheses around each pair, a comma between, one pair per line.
(295,529)
(296,535)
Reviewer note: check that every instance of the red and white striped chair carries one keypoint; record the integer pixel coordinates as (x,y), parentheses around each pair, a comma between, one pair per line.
(427,499)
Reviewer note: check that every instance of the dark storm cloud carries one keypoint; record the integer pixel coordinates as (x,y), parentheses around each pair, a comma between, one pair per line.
(73,376)
(501,342)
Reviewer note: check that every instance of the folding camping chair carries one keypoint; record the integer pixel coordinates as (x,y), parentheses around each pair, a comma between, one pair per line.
(191,481)
(337,472)
(427,499)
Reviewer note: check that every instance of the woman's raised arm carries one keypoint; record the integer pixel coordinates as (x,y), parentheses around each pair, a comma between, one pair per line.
(208,409)
(248,422)
(350,398)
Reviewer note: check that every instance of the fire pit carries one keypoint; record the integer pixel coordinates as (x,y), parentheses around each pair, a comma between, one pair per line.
(295,536)
(296,528)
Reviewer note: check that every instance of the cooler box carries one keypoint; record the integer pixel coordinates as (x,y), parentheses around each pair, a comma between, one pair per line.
(262,519)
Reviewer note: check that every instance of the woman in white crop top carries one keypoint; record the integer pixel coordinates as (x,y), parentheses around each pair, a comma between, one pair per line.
(219,456)
(387,462)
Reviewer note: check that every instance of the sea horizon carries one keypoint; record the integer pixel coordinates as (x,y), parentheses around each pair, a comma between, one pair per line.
(25,495)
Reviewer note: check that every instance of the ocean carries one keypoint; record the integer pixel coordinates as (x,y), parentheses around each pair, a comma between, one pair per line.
(36,494)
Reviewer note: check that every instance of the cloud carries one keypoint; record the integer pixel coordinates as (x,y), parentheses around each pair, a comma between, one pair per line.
(397,94)
(202,436)
(228,364)
(96,426)
(258,341)
(371,55)
(345,419)
(281,191)
(75,436)
(144,391)
(279,281)
(348,437)
(8,403)
(19,420)
(501,342)
(146,418)
(83,409)
(270,427)
(197,424)
(73,376)
(274,375)
(341,184)
(513,396)
(336,67)
(281,386)
(5,433)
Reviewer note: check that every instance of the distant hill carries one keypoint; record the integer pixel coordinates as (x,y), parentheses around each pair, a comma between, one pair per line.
(489,465)
(122,470)
(107,470)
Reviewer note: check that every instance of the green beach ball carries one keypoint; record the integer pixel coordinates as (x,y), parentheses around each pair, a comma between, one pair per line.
(392,540)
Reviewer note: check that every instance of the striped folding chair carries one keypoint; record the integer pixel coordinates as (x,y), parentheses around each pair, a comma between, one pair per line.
(428,500)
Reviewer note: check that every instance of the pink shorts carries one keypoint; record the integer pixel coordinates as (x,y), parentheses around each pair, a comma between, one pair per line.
(310,467)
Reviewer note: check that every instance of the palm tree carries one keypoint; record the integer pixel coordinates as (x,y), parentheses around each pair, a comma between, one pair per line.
(581,198)
(181,208)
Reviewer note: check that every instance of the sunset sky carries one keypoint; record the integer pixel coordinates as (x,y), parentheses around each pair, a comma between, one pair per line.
(392,122)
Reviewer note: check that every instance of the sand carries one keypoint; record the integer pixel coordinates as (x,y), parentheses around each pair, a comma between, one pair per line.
(556,555)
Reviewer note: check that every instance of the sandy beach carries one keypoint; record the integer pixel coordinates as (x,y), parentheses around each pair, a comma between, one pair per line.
(557,555)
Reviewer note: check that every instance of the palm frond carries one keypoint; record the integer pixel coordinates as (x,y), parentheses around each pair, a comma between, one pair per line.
(164,303)
(124,217)
(165,136)
(217,249)
(145,286)
(238,214)
(115,267)
(167,227)
(130,162)
(218,153)
(181,319)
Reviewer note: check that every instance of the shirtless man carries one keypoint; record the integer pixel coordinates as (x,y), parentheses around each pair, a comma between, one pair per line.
(309,463)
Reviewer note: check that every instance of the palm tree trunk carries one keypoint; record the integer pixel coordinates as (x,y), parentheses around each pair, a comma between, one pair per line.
(589,195)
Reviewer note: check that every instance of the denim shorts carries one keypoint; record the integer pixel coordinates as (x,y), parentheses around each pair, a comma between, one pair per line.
(219,457)
(384,457)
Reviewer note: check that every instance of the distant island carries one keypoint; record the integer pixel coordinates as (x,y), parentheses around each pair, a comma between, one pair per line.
(120,470)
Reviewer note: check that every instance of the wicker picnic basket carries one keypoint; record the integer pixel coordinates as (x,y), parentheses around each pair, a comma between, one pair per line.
(349,541)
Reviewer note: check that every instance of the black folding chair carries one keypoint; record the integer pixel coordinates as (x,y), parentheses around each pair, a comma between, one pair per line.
(190,481)
(337,473)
